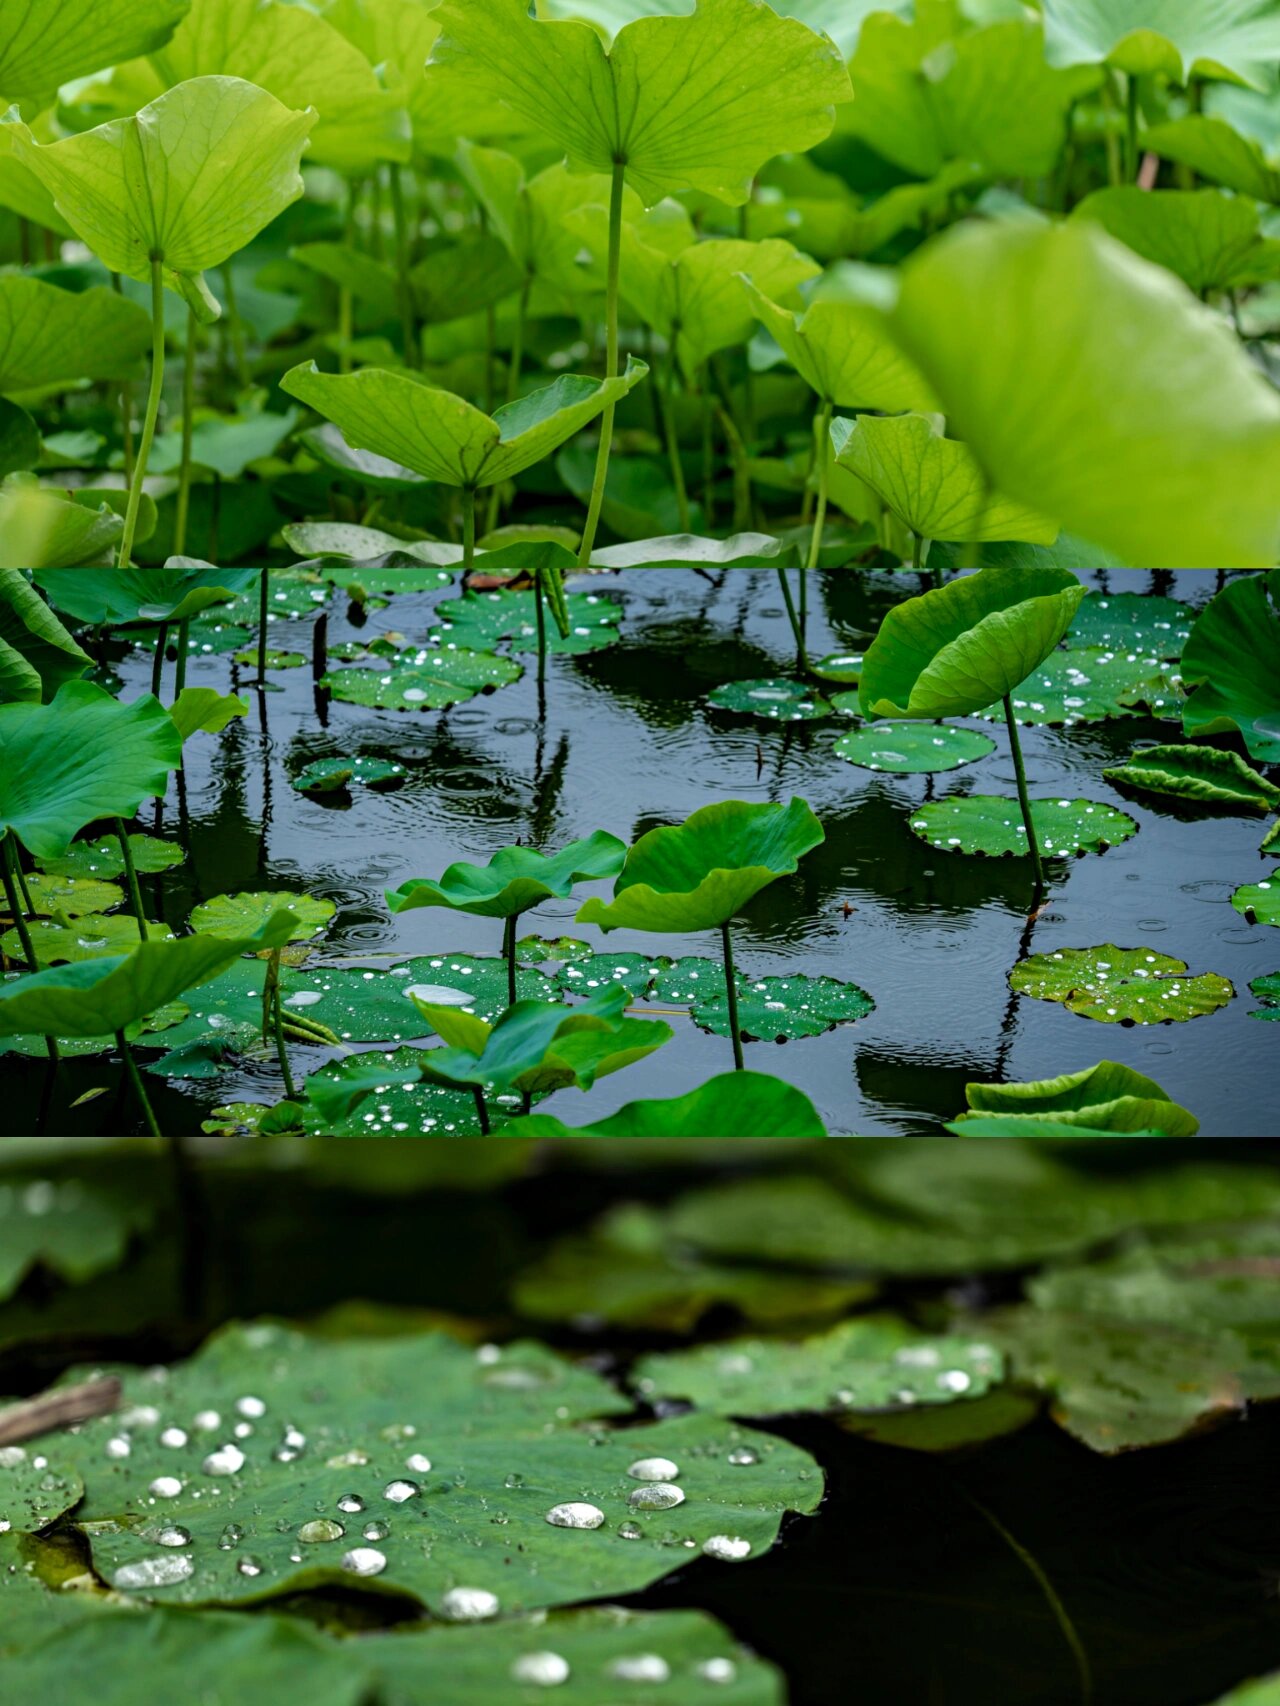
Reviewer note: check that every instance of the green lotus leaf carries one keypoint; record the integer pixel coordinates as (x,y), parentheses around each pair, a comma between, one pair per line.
(113,597)
(535,950)
(74,897)
(699,874)
(777,1009)
(482,619)
(515,880)
(239,914)
(624,1270)
(445,438)
(694,299)
(1108,1097)
(293,595)
(1231,667)
(34,1493)
(99,997)
(304,62)
(433,680)
(840,19)
(871,1363)
(1090,685)
(1237,40)
(987,823)
(406,1431)
(81,757)
(688,980)
(1111,400)
(1117,1385)
(332,775)
(203,710)
(37,654)
(378,473)
(1202,774)
(927,96)
(1260,902)
(339,1104)
(635,972)
(1120,985)
(190,178)
(736,1104)
(66,39)
(1047,1127)
(74,1223)
(41,529)
(774,699)
(953,651)
(1214,149)
(21,446)
(842,349)
(911,749)
(682,550)
(1267,990)
(50,336)
(1132,622)
(272,659)
(698,102)
(104,859)
(345,542)
(932,484)
(1210,239)
(89,937)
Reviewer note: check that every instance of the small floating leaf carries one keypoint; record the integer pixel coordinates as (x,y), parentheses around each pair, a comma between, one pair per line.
(1267,990)
(909,749)
(1121,985)
(987,823)
(1260,902)
(103,858)
(426,681)
(775,1009)
(1132,622)
(239,914)
(773,699)
(332,775)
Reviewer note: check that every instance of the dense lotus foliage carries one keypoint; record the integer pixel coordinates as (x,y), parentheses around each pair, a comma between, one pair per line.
(601,282)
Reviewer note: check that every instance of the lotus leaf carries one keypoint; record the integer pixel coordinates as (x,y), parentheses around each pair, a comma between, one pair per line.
(739,1104)
(81,757)
(1210,239)
(682,550)
(1108,1097)
(430,682)
(953,651)
(932,484)
(1267,990)
(188,180)
(776,1009)
(105,858)
(481,619)
(1231,666)
(842,350)
(333,775)
(1120,985)
(112,597)
(986,823)
(75,1225)
(1238,40)
(239,914)
(1260,902)
(57,942)
(1214,149)
(1090,685)
(103,996)
(515,879)
(499,1428)
(50,336)
(909,749)
(1202,774)
(67,39)
(636,972)
(74,897)
(774,699)
(1132,622)
(37,654)
(699,874)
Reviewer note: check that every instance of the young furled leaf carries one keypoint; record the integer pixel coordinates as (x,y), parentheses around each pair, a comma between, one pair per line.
(185,182)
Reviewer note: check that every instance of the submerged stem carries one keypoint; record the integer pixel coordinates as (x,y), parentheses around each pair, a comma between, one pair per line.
(540,606)
(1024,799)
(611,364)
(157,662)
(731,995)
(125,557)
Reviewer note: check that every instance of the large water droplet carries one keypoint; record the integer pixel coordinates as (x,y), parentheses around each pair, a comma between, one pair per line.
(654,1469)
(321,1528)
(173,1536)
(469,1605)
(399,1492)
(575,1515)
(376,1530)
(118,1448)
(173,1438)
(743,1457)
(351,1503)
(253,1408)
(544,1670)
(657,1496)
(230,1537)
(729,1548)
(641,1667)
(166,1486)
(418,1463)
(153,1573)
(226,1460)
(249,1566)
(717,1670)
(364,1561)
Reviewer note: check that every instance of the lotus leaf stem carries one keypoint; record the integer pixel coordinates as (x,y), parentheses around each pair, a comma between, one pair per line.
(11,870)
(404,284)
(157,662)
(731,995)
(180,673)
(188,425)
(509,949)
(131,878)
(277,1022)
(540,608)
(611,364)
(822,460)
(802,656)
(468,528)
(264,593)
(137,1086)
(125,558)
(482,1112)
(126,401)
(1024,799)
(672,435)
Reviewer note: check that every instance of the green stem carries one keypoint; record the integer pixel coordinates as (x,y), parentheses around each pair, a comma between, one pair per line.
(509,949)
(131,878)
(184,644)
(802,655)
(10,867)
(136,1084)
(125,558)
(264,596)
(157,662)
(188,412)
(235,328)
(126,404)
(731,993)
(917,550)
(822,457)
(277,1025)
(482,1111)
(1024,799)
(404,286)
(611,364)
(1131,129)
(468,528)
(540,607)
(673,447)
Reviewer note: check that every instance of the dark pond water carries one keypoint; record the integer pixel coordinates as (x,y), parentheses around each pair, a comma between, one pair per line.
(627,742)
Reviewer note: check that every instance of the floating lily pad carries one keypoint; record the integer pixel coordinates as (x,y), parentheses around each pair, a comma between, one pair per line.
(34,1491)
(777,1009)
(92,937)
(1267,990)
(845,667)
(1132,622)
(415,1109)
(688,979)
(274,659)
(1121,985)
(292,595)
(238,914)
(913,748)
(74,897)
(877,1363)
(1091,685)
(990,824)
(535,950)
(104,859)
(362,1450)
(1260,902)
(774,699)
(482,619)
(390,582)
(425,681)
(638,972)
(333,775)
(1201,774)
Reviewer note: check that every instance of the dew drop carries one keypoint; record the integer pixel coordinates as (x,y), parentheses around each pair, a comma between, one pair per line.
(641,1667)
(399,1492)
(657,1496)
(654,1469)
(544,1670)
(418,1463)
(153,1573)
(729,1548)
(364,1561)
(166,1486)
(575,1515)
(351,1503)
(322,1528)
(469,1605)
(226,1460)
